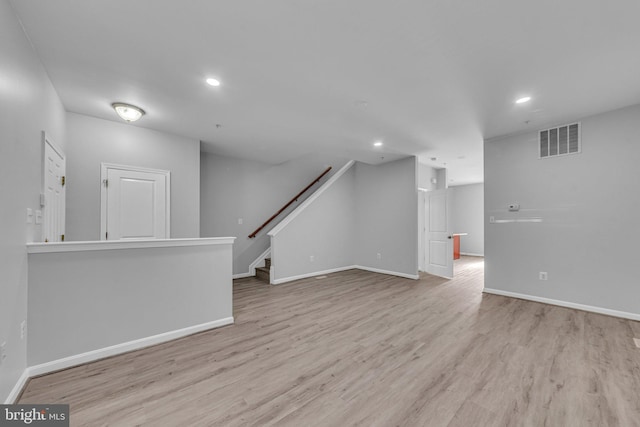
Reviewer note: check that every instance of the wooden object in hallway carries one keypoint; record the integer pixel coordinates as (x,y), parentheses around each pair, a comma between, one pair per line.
(456,244)
(456,247)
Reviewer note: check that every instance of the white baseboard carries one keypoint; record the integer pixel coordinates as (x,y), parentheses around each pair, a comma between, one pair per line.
(259,262)
(349,267)
(91,356)
(392,273)
(17,389)
(315,273)
(599,310)
(471,254)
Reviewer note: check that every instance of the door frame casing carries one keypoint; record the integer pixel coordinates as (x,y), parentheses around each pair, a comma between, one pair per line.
(46,140)
(104,168)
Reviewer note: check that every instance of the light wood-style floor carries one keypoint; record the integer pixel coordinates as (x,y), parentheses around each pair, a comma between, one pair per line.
(359,348)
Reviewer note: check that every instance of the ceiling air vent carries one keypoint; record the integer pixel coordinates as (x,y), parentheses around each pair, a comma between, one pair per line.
(560,140)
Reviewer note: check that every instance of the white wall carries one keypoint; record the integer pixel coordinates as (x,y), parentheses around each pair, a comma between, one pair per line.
(92,141)
(425,175)
(90,300)
(233,188)
(441,179)
(588,205)
(324,230)
(369,210)
(387,216)
(468,216)
(28,105)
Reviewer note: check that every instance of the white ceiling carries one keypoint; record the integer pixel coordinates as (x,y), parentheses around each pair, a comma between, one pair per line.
(428,77)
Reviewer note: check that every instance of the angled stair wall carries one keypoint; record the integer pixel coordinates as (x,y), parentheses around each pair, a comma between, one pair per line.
(365,216)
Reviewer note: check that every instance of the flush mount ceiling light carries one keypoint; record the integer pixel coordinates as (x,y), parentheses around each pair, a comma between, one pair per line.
(213,82)
(127,112)
(523,100)
(377,144)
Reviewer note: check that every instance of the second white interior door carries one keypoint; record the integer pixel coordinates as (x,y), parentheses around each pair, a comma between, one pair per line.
(137,203)
(54,192)
(439,245)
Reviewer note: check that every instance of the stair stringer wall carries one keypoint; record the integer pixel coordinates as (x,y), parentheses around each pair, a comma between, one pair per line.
(237,195)
(319,236)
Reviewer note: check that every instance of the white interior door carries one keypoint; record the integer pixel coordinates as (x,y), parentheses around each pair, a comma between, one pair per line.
(439,245)
(53,215)
(136,203)
(422,216)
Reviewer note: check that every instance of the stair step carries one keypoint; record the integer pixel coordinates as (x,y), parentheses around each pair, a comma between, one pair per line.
(262,273)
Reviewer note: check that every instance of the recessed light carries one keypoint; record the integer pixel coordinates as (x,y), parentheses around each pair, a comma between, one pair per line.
(213,82)
(377,144)
(523,100)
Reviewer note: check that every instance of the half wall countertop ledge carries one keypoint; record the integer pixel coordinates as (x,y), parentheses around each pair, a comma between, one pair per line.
(105,245)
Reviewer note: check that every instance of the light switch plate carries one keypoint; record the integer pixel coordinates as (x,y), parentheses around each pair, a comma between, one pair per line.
(29,216)
(38,216)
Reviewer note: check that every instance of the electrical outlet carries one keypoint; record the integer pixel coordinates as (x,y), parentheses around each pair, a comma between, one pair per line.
(492,219)
(312,258)
(3,352)
(379,255)
(543,275)
(240,221)
(23,329)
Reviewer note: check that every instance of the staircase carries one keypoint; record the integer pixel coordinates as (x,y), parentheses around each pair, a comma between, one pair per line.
(264,273)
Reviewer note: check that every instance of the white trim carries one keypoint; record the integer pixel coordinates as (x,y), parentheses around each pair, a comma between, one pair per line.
(17,389)
(102,353)
(258,261)
(348,267)
(253,265)
(103,194)
(599,310)
(307,275)
(105,245)
(471,254)
(391,273)
(275,230)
